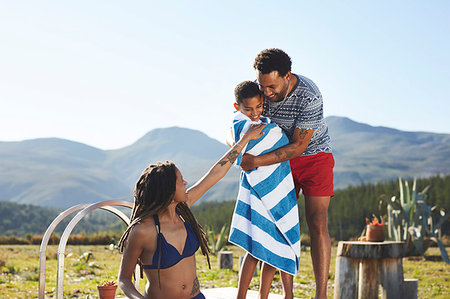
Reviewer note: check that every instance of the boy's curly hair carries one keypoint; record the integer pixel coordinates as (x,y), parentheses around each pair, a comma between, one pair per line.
(246,90)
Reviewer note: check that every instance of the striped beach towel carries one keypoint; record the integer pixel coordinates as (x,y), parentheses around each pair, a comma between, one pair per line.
(265,221)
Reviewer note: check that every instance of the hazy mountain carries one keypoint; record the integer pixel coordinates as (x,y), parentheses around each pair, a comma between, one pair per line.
(61,173)
(369,154)
(192,151)
(56,172)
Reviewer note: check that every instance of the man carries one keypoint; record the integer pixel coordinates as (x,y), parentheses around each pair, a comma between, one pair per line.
(294,103)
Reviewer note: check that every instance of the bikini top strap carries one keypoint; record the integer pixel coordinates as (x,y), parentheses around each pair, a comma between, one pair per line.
(156,219)
(181,217)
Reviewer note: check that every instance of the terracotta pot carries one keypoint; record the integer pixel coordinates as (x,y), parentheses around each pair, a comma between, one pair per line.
(106,292)
(375,233)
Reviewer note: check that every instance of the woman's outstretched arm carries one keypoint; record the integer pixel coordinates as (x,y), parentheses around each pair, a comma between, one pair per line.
(220,169)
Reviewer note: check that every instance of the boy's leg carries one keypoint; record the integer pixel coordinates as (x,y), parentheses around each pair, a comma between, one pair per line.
(267,274)
(288,284)
(247,270)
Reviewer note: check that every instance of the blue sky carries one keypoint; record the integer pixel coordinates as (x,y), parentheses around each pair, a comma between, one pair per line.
(106,72)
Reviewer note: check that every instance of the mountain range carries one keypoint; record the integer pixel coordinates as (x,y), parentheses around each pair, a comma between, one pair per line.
(365,153)
(61,173)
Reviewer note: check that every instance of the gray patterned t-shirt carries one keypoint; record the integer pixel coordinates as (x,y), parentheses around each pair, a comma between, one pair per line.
(303,109)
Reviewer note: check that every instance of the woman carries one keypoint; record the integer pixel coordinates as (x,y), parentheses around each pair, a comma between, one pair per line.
(163,235)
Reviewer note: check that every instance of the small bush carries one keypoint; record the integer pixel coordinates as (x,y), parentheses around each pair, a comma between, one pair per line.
(12,240)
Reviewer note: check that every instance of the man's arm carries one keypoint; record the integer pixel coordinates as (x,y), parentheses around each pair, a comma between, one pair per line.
(296,148)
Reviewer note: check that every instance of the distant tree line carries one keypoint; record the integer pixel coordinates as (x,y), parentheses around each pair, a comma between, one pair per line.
(350,206)
(98,238)
(21,220)
(214,214)
(348,210)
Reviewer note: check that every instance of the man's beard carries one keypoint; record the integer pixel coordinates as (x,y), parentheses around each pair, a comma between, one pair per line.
(279,96)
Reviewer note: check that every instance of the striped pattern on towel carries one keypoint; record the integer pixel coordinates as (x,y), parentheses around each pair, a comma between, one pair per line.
(265,221)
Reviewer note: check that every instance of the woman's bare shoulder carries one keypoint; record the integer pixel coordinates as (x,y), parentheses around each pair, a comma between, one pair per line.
(144,231)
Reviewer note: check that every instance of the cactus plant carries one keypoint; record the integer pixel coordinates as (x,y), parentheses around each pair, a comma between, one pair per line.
(217,245)
(412,220)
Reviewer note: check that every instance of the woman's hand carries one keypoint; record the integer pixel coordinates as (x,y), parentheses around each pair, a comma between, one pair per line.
(221,167)
(254,132)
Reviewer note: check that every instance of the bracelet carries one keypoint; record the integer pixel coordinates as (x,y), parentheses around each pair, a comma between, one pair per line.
(240,145)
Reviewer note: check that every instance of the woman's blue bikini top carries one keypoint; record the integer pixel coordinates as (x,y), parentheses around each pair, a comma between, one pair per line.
(169,254)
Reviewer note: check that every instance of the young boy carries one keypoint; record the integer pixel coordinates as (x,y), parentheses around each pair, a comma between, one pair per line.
(265,221)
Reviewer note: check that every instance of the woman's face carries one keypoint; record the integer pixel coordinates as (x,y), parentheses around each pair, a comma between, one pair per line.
(180,191)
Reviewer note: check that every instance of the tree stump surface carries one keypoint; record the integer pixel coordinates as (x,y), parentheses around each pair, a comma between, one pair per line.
(225,260)
(374,250)
(362,266)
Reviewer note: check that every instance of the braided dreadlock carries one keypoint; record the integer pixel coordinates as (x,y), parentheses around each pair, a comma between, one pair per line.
(154,192)
(190,218)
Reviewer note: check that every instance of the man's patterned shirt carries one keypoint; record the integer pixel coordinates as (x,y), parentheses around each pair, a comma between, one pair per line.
(303,109)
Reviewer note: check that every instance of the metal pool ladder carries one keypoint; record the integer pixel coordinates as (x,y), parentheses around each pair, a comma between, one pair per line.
(83,210)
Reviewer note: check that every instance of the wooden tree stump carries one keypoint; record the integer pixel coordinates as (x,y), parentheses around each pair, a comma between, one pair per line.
(362,266)
(225,260)
(410,288)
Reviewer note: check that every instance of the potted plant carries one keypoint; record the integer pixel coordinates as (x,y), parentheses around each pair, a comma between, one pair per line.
(107,289)
(374,230)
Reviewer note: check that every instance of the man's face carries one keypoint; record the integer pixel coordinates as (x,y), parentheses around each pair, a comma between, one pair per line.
(273,86)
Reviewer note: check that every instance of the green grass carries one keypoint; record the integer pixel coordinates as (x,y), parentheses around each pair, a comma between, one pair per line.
(19,272)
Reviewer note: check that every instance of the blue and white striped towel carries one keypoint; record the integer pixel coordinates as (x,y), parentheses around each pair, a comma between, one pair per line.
(265,221)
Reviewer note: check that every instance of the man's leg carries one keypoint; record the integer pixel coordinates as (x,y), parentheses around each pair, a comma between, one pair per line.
(316,208)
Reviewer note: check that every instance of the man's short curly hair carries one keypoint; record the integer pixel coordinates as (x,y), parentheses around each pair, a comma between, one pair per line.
(246,90)
(273,59)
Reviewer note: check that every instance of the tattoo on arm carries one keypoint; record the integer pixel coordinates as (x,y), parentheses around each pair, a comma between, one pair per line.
(195,286)
(229,158)
(290,154)
(303,133)
(284,155)
(278,153)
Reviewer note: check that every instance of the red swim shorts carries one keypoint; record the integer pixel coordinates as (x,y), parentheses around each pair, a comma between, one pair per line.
(313,174)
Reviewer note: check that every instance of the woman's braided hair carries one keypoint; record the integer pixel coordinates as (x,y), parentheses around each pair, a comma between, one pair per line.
(154,192)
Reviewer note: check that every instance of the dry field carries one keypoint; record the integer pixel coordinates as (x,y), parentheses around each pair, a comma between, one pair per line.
(19,272)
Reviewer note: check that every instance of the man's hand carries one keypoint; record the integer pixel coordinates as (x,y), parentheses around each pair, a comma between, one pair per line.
(293,150)
(248,162)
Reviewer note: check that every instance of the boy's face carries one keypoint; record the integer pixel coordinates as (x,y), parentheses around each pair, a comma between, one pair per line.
(251,107)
